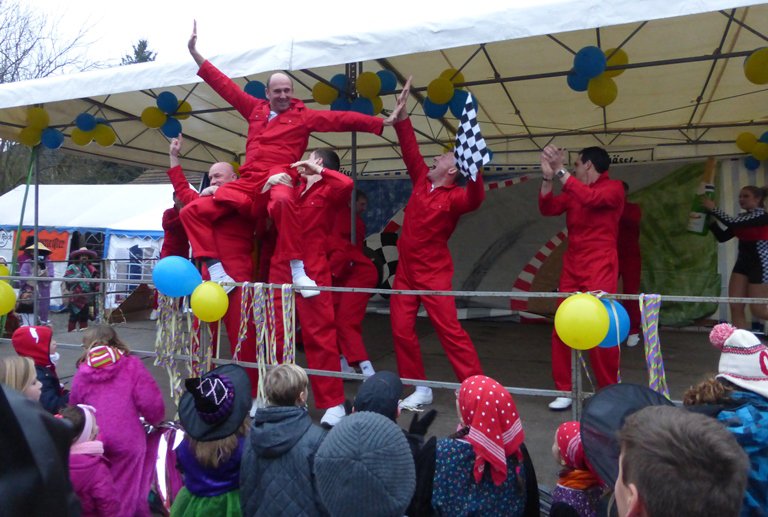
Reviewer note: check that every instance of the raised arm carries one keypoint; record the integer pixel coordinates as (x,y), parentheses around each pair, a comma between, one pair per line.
(471,197)
(192,46)
(181,187)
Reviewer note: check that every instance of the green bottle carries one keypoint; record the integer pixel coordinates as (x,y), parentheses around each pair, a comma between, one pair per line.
(698,217)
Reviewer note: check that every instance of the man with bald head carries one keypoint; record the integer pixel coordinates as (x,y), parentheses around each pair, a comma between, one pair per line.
(278,134)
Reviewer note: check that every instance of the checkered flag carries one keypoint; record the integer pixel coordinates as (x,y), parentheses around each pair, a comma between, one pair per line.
(470,150)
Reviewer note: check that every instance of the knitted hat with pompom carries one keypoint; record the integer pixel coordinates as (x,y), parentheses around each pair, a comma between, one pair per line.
(744,359)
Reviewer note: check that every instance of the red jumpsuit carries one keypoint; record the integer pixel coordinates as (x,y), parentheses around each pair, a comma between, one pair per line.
(630,260)
(350,267)
(235,234)
(425,262)
(175,242)
(590,263)
(271,143)
(317,208)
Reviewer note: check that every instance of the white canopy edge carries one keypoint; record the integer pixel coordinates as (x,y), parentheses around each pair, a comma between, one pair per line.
(316,39)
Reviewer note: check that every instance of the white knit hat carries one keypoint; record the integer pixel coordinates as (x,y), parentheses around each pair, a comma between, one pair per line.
(744,359)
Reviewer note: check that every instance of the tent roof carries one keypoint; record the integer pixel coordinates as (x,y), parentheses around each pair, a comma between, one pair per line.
(682,95)
(133,208)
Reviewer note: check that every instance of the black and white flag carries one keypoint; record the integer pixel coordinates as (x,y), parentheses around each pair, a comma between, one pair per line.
(470,150)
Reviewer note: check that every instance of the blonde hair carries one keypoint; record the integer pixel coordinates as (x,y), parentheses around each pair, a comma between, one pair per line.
(17,372)
(284,384)
(101,335)
(212,454)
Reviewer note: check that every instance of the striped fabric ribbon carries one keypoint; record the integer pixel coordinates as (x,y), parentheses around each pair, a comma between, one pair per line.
(169,340)
(289,324)
(650,304)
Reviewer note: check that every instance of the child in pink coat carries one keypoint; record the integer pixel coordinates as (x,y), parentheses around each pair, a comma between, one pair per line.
(122,390)
(88,469)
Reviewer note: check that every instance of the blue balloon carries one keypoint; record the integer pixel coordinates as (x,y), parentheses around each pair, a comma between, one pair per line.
(388,81)
(85,122)
(171,128)
(176,276)
(763,138)
(490,156)
(433,110)
(458,101)
(341,104)
(618,324)
(362,105)
(577,82)
(256,89)
(340,82)
(751,163)
(589,62)
(100,120)
(167,102)
(52,138)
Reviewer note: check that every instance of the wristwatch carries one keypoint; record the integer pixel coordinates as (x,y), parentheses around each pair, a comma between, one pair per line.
(560,173)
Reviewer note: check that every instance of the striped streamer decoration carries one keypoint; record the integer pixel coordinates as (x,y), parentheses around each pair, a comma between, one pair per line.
(289,344)
(649,313)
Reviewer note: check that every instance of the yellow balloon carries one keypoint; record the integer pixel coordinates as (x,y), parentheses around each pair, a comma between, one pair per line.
(182,112)
(7,298)
(615,57)
(104,135)
(80,137)
(760,151)
(30,136)
(452,75)
(368,85)
(378,105)
(236,166)
(756,66)
(38,118)
(209,302)
(153,117)
(582,321)
(440,90)
(746,141)
(324,93)
(4,271)
(602,90)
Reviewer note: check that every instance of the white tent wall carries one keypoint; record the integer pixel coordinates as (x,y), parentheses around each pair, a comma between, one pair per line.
(129,258)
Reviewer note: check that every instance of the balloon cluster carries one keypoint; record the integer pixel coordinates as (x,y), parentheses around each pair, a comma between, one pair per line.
(37,130)
(756,147)
(89,128)
(167,114)
(589,73)
(370,87)
(442,95)
(584,321)
(256,89)
(176,276)
(756,66)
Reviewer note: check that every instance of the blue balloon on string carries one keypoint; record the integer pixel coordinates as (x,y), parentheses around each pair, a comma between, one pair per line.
(175,276)
(362,105)
(751,163)
(85,122)
(433,110)
(256,89)
(167,102)
(589,62)
(340,82)
(52,138)
(171,128)
(618,324)
(341,104)
(457,102)
(388,81)
(577,82)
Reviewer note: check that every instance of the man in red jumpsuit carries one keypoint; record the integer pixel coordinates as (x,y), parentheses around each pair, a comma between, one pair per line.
(350,267)
(592,203)
(630,263)
(424,262)
(235,234)
(175,242)
(322,192)
(278,133)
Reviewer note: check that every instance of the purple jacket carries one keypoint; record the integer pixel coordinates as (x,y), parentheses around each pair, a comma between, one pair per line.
(121,393)
(93,485)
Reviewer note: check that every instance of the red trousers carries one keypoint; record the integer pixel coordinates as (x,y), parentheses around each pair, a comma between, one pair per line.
(349,309)
(317,328)
(442,313)
(630,271)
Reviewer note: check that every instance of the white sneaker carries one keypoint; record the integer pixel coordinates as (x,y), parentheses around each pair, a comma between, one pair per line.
(305,281)
(633,340)
(560,404)
(345,368)
(414,401)
(153,315)
(333,415)
(367,368)
(220,276)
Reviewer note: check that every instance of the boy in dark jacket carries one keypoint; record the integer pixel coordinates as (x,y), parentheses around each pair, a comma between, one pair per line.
(37,344)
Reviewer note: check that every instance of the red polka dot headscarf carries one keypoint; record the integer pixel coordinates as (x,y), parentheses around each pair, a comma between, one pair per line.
(568,438)
(495,429)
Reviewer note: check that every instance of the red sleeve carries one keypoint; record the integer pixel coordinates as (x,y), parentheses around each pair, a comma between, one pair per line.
(181,187)
(243,102)
(414,162)
(609,195)
(171,220)
(340,184)
(552,205)
(471,197)
(326,121)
